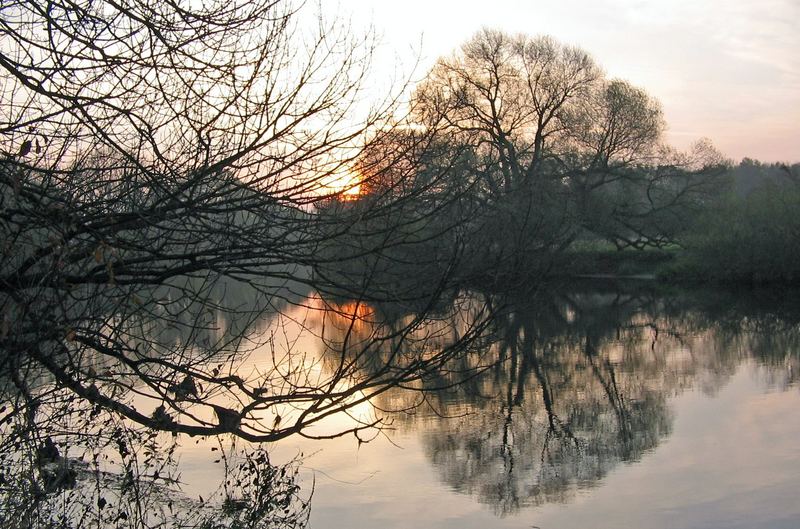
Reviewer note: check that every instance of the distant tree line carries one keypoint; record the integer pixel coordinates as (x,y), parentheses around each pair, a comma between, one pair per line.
(751,234)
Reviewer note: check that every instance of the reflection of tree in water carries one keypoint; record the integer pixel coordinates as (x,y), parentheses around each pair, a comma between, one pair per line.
(219,315)
(566,406)
(583,383)
(763,325)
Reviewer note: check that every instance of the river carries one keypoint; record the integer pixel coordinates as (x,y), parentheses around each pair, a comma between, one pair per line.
(606,405)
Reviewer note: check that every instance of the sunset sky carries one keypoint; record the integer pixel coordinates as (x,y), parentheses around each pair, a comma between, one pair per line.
(728,70)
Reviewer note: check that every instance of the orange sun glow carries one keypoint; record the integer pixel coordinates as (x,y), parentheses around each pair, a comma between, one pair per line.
(345,184)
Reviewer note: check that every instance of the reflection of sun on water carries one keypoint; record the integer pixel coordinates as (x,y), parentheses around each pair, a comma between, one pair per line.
(358,312)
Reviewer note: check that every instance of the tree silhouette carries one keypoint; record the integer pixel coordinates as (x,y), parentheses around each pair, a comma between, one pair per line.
(561,151)
(160,171)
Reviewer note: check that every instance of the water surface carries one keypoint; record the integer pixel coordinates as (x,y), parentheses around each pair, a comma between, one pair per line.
(611,405)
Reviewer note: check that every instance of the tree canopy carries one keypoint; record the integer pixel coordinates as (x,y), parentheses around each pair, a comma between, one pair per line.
(565,148)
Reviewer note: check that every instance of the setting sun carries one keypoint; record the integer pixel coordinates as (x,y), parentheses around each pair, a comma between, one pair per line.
(346,184)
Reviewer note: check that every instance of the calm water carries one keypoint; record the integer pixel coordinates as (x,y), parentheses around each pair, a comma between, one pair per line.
(611,405)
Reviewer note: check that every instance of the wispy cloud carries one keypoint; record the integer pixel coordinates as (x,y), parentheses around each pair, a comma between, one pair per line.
(718,66)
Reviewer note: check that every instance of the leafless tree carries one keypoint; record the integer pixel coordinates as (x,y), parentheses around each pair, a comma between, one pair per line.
(161,165)
(561,146)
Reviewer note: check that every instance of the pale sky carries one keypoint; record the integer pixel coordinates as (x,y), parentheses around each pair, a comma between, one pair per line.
(728,70)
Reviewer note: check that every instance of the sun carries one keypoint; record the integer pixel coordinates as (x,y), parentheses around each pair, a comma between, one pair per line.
(351,193)
(345,183)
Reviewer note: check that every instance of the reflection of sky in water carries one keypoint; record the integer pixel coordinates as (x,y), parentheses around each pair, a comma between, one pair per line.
(722,454)
(732,460)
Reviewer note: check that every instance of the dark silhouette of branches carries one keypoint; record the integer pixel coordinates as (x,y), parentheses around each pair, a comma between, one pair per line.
(561,152)
(165,189)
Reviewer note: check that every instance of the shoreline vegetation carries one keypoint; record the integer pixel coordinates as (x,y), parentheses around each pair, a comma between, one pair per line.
(749,236)
(745,232)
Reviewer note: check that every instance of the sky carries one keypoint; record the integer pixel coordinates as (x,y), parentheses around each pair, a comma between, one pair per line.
(727,70)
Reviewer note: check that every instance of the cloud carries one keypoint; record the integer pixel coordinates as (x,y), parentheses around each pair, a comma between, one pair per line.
(714,64)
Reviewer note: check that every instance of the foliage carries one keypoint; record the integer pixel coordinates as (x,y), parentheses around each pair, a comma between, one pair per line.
(606,260)
(752,236)
(117,476)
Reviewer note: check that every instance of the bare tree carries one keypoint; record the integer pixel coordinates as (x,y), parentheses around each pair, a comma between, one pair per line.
(510,96)
(161,163)
(559,147)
